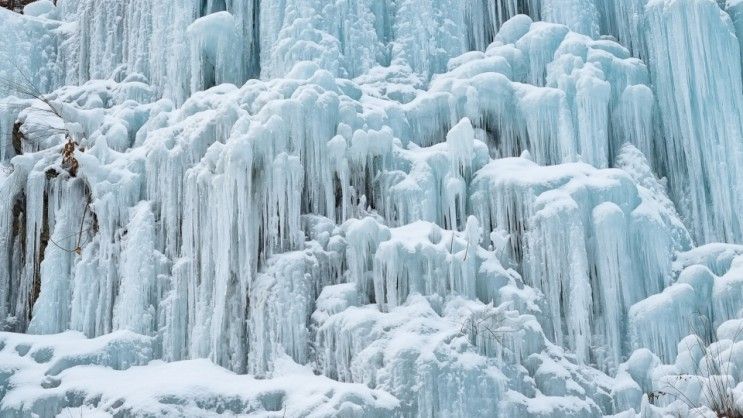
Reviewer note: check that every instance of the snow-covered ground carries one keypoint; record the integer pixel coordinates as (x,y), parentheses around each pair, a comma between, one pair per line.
(311,208)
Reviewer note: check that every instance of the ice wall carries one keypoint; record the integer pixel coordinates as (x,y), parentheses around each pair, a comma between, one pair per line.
(347,39)
(438,208)
(699,95)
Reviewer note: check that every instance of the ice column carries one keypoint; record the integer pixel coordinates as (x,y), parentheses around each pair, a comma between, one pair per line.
(136,303)
(696,68)
(214,45)
(579,15)
(559,268)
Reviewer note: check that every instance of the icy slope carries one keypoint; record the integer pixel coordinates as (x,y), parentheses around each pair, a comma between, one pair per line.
(72,370)
(370,208)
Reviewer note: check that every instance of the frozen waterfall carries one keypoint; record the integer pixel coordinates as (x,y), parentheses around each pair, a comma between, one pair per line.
(371,208)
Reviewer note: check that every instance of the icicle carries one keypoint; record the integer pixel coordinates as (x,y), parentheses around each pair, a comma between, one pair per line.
(660,321)
(539,46)
(351,343)
(281,302)
(68,232)
(618,284)
(461,143)
(22,287)
(734,8)
(548,124)
(625,20)
(726,296)
(561,272)
(489,18)
(136,302)
(177,314)
(701,113)
(419,258)
(364,237)
(420,27)
(580,16)
(635,119)
(214,44)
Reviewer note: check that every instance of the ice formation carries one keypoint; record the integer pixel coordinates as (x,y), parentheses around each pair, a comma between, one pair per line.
(454,208)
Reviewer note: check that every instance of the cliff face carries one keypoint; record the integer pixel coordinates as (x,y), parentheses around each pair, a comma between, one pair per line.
(450,208)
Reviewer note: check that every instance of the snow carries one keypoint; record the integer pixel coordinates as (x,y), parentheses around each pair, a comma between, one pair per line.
(411,208)
(39,373)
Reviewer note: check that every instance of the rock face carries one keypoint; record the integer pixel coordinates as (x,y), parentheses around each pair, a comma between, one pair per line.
(440,208)
(15,5)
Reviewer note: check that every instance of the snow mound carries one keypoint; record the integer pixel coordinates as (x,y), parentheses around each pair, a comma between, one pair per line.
(113,375)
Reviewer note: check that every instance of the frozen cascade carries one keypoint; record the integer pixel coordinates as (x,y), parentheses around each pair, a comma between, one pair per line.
(707,294)
(615,270)
(408,264)
(700,112)
(597,210)
(31,48)
(214,43)
(289,287)
(580,16)
(357,36)
(136,304)
(734,8)
(369,208)
(625,20)
(359,334)
(52,313)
